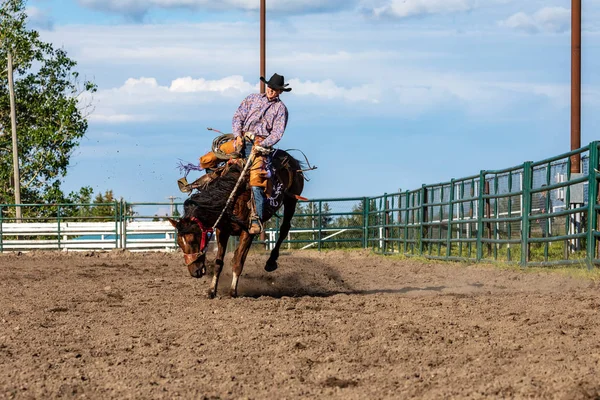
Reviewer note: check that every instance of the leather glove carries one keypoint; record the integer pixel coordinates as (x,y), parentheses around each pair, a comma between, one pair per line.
(261,150)
(238,143)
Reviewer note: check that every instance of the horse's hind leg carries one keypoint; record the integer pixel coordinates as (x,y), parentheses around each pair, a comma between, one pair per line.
(289,208)
(239,259)
(222,238)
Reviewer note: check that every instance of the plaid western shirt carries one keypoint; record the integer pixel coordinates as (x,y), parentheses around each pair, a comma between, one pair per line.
(264,117)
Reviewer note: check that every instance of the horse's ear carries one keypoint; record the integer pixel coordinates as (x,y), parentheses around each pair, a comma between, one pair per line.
(173,222)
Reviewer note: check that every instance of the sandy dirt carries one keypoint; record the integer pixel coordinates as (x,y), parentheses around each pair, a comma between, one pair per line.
(332,325)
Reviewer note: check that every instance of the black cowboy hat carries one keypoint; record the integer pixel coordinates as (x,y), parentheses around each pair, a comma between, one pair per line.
(276,83)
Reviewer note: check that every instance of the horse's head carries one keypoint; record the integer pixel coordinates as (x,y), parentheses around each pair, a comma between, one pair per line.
(192,238)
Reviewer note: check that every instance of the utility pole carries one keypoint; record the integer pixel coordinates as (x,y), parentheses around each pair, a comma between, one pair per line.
(263,43)
(575,219)
(263,61)
(13,120)
(172,198)
(575,84)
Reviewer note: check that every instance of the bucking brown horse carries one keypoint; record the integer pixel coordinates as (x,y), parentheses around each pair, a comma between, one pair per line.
(203,208)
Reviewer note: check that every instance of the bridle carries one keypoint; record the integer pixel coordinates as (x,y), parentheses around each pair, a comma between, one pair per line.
(204,240)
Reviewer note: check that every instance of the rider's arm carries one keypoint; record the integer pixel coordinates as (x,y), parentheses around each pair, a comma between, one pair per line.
(239,117)
(279,124)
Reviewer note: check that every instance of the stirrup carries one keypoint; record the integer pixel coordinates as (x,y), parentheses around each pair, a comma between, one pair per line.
(255,227)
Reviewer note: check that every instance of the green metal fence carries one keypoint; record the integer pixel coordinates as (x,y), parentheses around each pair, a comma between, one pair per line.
(534,214)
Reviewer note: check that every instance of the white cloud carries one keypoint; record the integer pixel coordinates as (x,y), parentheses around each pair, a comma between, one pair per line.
(382,71)
(188,48)
(412,93)
(39,18)
(118,118)
(520,21)
(547,19)
(138,8)
(553,19)
(327,89)
(150,86)
(144,99)
(190,85)
(409,8)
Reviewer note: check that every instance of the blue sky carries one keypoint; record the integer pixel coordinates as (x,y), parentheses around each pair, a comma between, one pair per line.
(387,94)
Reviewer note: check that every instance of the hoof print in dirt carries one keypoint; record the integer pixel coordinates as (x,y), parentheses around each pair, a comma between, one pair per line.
(340,383)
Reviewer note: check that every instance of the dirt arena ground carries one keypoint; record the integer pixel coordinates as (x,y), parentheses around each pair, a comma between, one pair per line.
(332,325)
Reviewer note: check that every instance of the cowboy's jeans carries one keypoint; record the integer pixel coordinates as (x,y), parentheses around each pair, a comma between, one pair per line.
(259,200)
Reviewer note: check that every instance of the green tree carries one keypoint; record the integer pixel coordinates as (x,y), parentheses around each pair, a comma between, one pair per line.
(50,106)
(326,218)
(104,204)
(103,207)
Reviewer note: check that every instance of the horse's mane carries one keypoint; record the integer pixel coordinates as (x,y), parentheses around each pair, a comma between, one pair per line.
(208,203)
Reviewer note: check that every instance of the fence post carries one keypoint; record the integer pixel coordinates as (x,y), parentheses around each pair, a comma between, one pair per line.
(320,224)
(592,199)
(1,229)
(408,196)
(480,213)
(450,218)
(124,228)
(526,207)
(118,213)
(386,221)
(488,216)
(366,204)
(423,217)
(58,219)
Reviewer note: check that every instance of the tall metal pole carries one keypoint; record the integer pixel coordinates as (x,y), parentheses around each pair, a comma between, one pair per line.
(263,63)
(263,42)
(13,120)
(575,83)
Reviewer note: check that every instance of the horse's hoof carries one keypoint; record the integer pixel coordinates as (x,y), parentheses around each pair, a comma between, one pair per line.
(271,266)
(233,294)
(211,294)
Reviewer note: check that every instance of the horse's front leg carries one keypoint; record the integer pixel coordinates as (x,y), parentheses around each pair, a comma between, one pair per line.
(222,238)
(239,259)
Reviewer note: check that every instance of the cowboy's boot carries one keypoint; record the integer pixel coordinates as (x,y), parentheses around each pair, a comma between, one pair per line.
(184,186)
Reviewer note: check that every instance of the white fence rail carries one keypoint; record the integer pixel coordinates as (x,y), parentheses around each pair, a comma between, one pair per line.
(140,236)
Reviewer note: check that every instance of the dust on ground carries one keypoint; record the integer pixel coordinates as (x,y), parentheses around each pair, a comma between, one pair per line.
(332,325)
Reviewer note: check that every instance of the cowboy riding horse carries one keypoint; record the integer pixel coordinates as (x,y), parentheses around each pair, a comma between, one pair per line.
(223,201)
